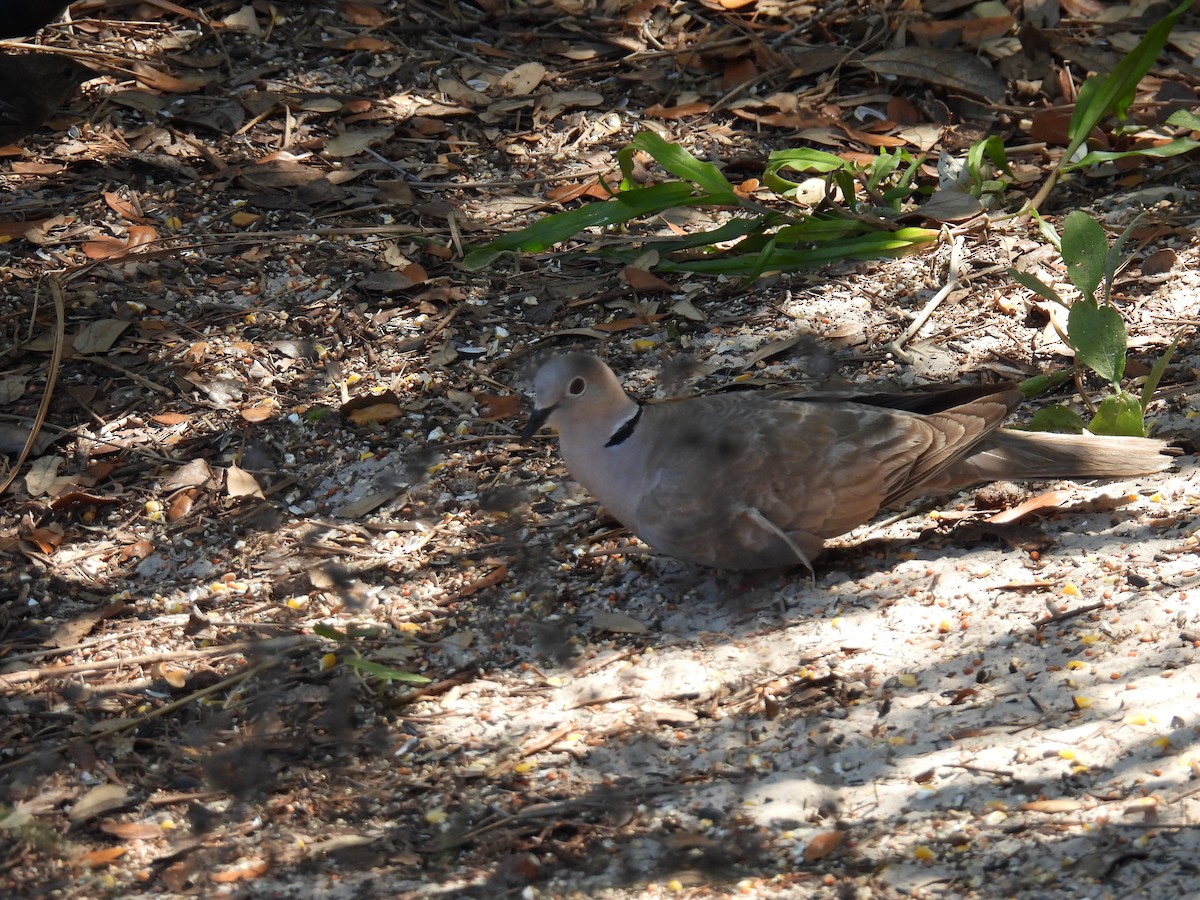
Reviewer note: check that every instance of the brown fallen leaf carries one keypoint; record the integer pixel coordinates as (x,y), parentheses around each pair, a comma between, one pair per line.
(954,69)
(671,113)
(823,844)
(1048,500)
(641,280)
(240,483)
(99,800)
(102,857)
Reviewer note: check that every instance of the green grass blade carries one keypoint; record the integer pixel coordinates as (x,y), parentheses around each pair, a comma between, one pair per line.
(1112,93)
(545,233)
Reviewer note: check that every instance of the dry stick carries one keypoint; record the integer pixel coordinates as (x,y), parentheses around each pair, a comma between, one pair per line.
(29,676)
(80,435)
(116,726)
(1069,614)
(896,346)
(56,355)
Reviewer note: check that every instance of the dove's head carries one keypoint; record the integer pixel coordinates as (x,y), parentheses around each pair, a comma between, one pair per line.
(576,390)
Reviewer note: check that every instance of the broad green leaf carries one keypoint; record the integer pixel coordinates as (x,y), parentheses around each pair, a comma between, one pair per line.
(1176,147)
(1040,384)
(386,673)
(804,160)
(1120,414)
(1057,419)
(1098,336)
(683,165)
(1084,248)
(1036,285)
(1101,95)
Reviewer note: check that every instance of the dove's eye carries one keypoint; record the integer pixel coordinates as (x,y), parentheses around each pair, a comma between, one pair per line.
(576,387)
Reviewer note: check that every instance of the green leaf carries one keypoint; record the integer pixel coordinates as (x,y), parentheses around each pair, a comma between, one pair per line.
(683,165)
(1183,118)
(546,232)
(1098,336)
(1113,258)
(1036,285)
(780,258)
(1058,419)
(1156,374)
(386,673)
(992,148)
(1040,384)
(804,160)
(1101,95)
(1120,414)
(1084,248)
(330,633)
(1176,147)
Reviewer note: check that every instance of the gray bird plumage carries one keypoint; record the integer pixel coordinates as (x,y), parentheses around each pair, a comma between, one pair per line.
(760,479)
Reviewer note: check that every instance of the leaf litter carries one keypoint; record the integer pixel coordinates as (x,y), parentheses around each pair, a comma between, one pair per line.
(285,425)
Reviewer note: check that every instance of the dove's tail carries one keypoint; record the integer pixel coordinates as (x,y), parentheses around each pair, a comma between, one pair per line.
(1008,455)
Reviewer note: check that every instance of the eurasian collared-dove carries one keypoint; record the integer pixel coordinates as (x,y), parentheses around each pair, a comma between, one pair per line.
(759,479)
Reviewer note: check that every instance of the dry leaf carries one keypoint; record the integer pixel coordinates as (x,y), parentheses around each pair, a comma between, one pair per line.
(618,623)
(375,413)
(246,871)
(75,498)
(244,20)
(362,14)
(191,474)
(641,280)
(12,388)
(823,844)
(1048,500)
(240,483)
(181,507)
(954,69)
(42,474)
(102,857)
(99,800)
(522,80)
(626,324)
(352,143)
(1160,262)
(138,550)
(658,111)
(131,831)
(499,406)
(99,336)
(256,414)
(1052,806)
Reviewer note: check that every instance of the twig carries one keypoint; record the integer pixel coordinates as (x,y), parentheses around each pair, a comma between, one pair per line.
(1068,614)
(29,676)
(56,355)
(116,726)
(896,347)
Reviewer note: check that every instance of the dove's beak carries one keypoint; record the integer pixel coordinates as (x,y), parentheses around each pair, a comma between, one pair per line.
(537,419)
